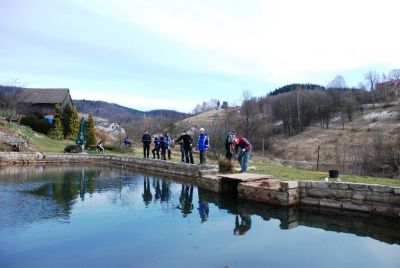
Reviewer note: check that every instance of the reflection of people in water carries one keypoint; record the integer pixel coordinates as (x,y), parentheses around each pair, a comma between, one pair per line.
(243,226)
(165,193)
(203,210)
(147,196)
(186,199)
(157,195)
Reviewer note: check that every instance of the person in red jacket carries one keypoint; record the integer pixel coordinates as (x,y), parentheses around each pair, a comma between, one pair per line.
(242,148)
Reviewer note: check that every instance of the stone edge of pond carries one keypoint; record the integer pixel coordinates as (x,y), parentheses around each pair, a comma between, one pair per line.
(368,198)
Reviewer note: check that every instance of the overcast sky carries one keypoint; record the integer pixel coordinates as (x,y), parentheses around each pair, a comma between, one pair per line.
(153,54)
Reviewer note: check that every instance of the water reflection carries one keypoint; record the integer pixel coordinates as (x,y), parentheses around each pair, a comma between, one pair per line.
(186,200)
(45,193)
(242,225)
(147,195)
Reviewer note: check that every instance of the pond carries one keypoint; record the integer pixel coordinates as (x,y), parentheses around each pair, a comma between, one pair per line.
(76,216)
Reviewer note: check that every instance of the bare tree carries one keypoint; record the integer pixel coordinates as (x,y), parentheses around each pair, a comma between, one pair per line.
(372,78)
(337,82)
(394,74)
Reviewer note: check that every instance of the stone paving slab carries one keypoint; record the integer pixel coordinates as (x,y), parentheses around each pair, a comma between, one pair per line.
(244,177)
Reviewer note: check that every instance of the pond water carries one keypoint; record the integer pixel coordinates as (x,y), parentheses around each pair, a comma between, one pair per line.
(110,217)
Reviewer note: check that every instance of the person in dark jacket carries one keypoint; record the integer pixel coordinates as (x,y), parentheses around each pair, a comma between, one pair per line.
(242,147)
(187,141)
(228,144)
(146,140)
(202,145)
(180,142)
(164,144)
(156,149)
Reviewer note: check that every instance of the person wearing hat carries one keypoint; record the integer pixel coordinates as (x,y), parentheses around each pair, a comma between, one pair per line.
(202,145)
(242,148)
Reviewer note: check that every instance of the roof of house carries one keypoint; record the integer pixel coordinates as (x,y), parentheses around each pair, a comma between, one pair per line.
(388,83)
(43,95)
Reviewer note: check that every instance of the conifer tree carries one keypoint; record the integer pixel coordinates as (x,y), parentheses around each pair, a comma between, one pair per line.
(73,123)
(56,130)
(90,134)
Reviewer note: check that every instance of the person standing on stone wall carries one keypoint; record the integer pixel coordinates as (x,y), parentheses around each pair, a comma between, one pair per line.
(146,141)
(164,146)
(156,149)
(187,141)
(202,145)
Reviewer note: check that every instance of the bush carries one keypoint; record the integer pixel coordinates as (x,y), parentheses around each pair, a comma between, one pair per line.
(225,165)
(72,148)
(36,122)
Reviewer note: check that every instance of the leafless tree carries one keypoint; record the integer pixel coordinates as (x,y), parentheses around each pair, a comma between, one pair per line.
(394,74)
(372,78)
(337,82)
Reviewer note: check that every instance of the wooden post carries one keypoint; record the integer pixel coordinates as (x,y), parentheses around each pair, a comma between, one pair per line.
(318,157)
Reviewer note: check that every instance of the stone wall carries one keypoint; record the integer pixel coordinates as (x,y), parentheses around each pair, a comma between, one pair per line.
(367,198)
(374,199)
(154,165)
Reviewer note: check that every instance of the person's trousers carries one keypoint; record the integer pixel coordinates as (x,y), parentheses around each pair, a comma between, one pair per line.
(146,151)
(189,156)
(244,160)
(156,151)
(202,157)
(228,154)
(163,154)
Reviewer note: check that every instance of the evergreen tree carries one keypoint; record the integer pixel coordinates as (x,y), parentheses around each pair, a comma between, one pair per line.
(56,130)
(90,134)
(66,117)
(73,123)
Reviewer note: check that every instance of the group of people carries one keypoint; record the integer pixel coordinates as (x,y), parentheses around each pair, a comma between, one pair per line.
(162,142)
(234,145)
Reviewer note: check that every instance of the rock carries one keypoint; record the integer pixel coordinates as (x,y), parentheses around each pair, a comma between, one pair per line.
(339,185)
(380,188)
(319,184)
(309,201)
(351,206)
(358,186)
(318,192)
(286,185)
(329,203)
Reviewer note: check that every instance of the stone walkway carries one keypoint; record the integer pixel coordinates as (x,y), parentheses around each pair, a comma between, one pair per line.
(244,177)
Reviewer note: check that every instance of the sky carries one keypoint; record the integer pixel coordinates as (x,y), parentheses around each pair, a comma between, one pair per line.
(157,54)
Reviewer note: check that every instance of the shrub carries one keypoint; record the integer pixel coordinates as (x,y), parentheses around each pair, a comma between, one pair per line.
(36,122)
(72,148)
(225,165)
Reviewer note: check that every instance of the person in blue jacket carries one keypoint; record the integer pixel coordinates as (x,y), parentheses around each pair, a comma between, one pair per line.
(202,145)
(164,144)
(156,149)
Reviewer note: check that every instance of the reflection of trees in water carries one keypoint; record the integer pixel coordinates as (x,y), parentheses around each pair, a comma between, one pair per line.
(186,199)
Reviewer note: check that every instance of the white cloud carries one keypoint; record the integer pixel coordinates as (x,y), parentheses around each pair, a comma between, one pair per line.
(273,39)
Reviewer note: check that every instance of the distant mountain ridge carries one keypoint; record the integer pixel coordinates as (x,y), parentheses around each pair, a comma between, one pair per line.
(115,111)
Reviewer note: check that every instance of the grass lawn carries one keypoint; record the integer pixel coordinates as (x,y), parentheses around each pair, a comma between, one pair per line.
(37,141)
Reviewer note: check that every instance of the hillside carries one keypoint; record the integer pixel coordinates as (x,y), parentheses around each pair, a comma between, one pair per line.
(338,144)
(205,119)
(114,111)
